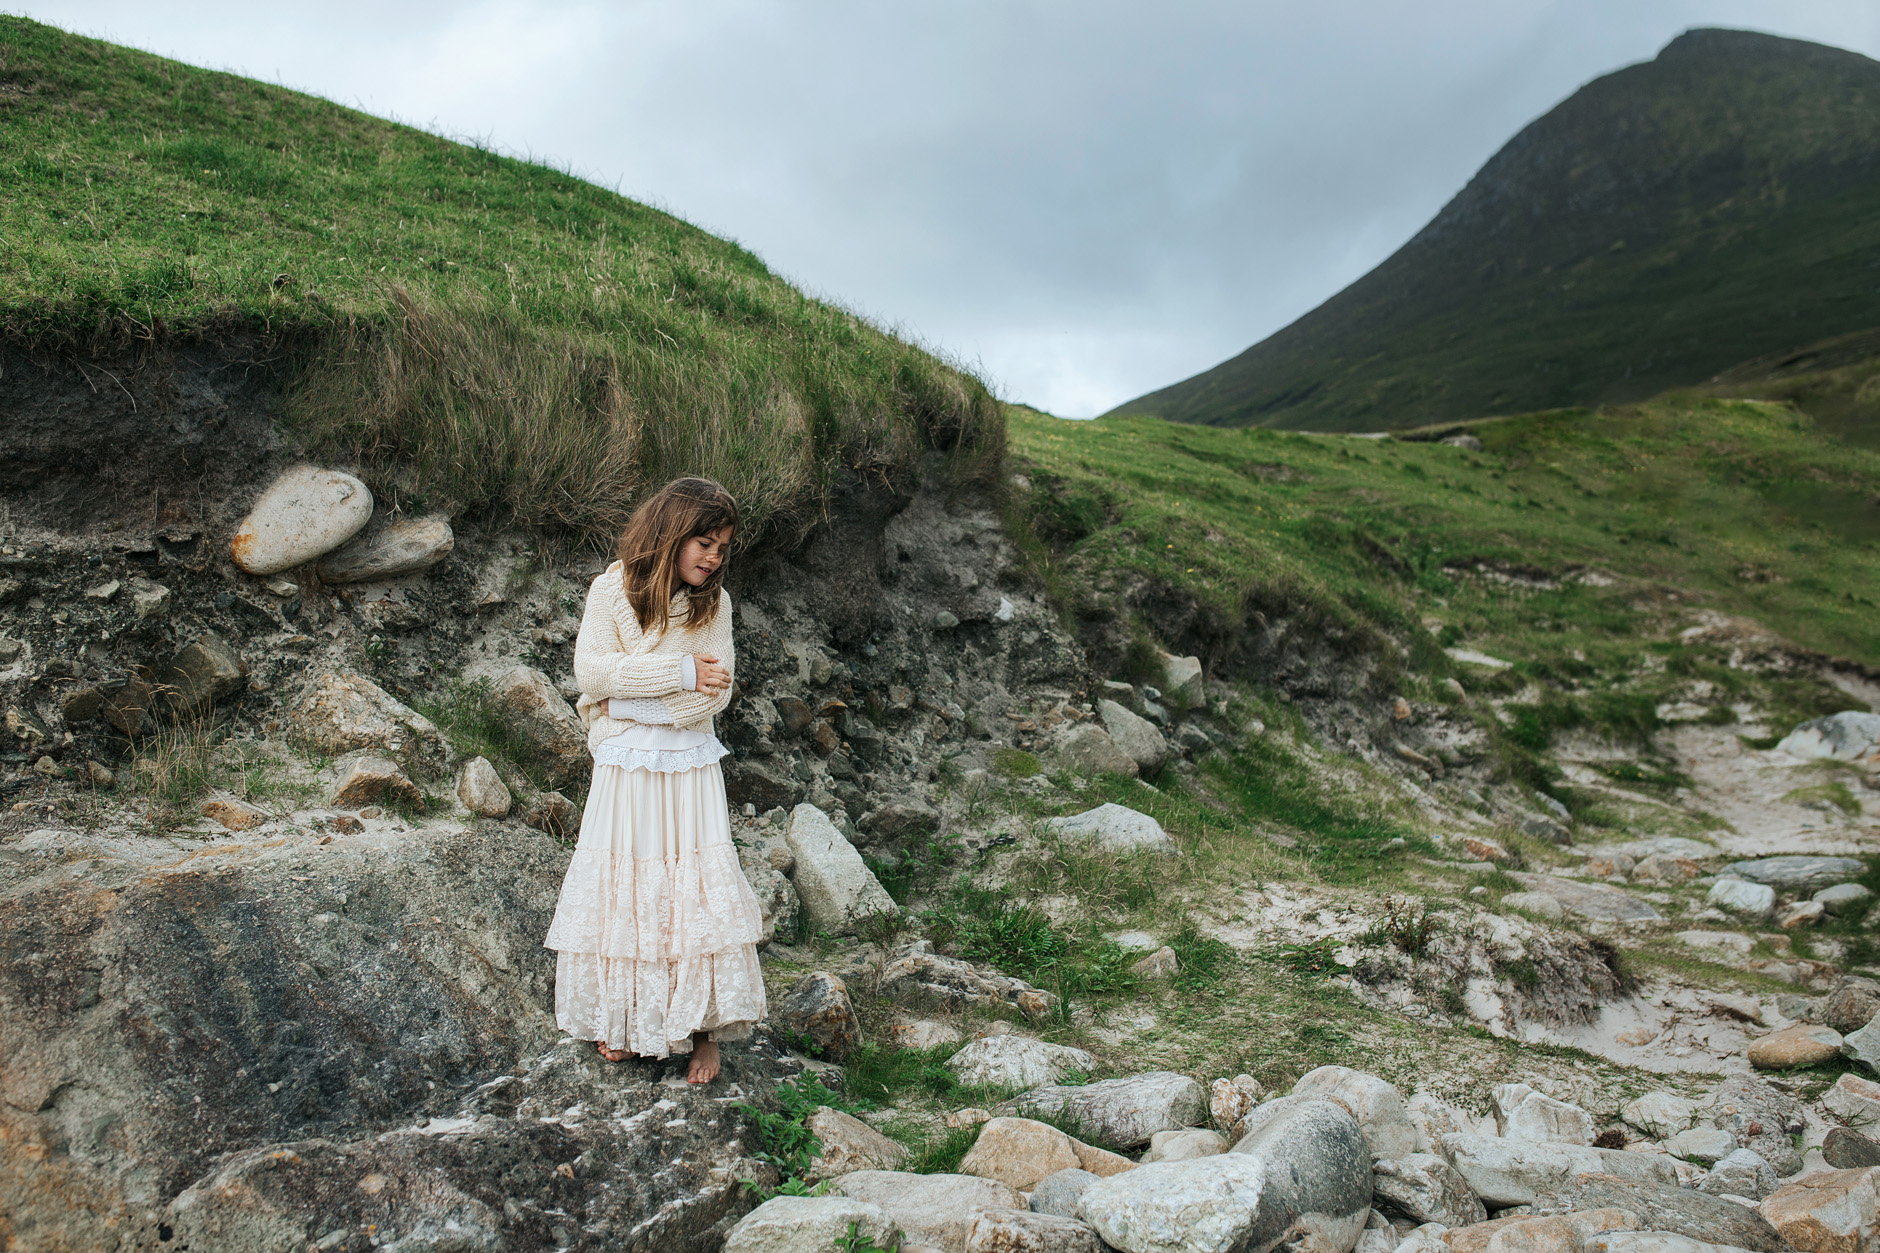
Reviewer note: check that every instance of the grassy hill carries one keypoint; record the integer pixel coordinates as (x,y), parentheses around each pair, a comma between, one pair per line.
(526,340)
(1665,222)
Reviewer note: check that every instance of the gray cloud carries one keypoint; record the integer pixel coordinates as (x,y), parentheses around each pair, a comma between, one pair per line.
(1087,199)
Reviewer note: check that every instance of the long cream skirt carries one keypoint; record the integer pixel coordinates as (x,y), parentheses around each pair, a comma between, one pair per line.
(656,929)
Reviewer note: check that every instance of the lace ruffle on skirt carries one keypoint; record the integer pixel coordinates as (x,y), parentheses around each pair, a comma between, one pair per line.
(615,752)
(656,927)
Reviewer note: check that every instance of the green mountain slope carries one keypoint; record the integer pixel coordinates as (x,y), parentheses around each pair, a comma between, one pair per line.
(524,340)
(1665,222)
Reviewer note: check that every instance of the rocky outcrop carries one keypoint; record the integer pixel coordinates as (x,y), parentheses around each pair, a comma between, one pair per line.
(536,713)
(342,713)
(1121,1112)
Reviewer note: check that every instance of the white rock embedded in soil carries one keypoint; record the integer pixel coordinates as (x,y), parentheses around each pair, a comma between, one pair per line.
(1741,1172)
(1590,900)
(482,791)
(404,547)
(1017,1063)
(1854,1100)
(930,1209)
(1844,737)
(808,1224)
(1708,1145)
(1087,749)
(834,884)
(1734,943)
(1757,900)
(305,513)
(1117,827)
(1525,1114)
(1844,899)
(1136,737)
(1797,872)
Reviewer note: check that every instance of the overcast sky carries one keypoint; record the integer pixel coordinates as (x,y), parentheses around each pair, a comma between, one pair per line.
(1088,200)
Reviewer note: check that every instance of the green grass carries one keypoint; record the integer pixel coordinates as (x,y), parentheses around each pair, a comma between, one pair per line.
(485,332)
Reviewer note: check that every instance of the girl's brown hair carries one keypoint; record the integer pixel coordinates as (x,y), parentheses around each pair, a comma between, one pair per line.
(649,551)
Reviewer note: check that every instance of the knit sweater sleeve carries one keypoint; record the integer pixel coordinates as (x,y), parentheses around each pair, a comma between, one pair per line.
(605,670)
(690,707)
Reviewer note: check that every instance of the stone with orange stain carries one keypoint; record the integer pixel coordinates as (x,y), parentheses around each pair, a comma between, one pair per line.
(1833,1211)
(306,513)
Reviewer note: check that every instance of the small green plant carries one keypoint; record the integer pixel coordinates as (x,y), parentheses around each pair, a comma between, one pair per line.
(1820,795)
(1204,959)
(783,1137)
(856,1242)
(1015,763)
(882,926)
(1409,924)
(1308,957)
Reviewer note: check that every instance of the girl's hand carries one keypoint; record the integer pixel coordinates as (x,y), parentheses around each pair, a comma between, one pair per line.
(713,678)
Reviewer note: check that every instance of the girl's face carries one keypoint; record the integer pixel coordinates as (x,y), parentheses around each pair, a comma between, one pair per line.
(701,555)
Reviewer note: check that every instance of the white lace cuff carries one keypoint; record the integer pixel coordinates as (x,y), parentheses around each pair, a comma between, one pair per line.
(659,760)
(644,710)
(688,673)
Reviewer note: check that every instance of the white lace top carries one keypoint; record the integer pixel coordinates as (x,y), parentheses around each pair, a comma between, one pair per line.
(653,742)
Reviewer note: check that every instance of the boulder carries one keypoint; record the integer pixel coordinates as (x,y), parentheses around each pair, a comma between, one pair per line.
(1318,1166)
(809,1224)
(1019,1152)
(1832,1211)
(305,513)
(1649,1242)
(1426,1189)
(1515,1172)
(900,817)
(1803,1045)
(1660,1113)
(1551,1233)
(372,780)
(482,791)
(404,547)
(936,1210)
(1429,1237)
(1734,943)
(1664,869)
(1701,1144)
(553,813)
(534,711)
(1136,737)
(818,1010)
(1663,1207)
(1435,1118)
(1525,1114)
(128,705)
(922,1034)
(1087,749)
(1181,679)
(1798,872)
(1864,1045)
(917,974)
(1801,914)
(341,712)
(1846,1149)
(1844,900)
(1122,1112)
(1231,1100)
(1845,736)
(206,671)
(1534,903)
(1740,1173)
(849,1144)
(1022,1231)
(1762,1119)
(1757,900)
(1376,1105)
(1115,826)
(1222,1204)
(1061,1193)
(1851,1005)
(1179,1146)
(1017,1063)
(1856,1101)
(233,814)
(832,881)
(760,782)
(1541,827)
(1100,1162)
(1590,900)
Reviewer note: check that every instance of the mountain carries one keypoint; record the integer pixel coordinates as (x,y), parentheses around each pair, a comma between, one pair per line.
(1665,222)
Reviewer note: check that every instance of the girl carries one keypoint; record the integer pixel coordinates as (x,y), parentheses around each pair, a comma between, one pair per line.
(656,929)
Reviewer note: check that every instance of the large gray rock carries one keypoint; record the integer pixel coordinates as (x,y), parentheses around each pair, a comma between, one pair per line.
(1222,1204)
(1664,1207)
(1844,900)
(1179,1146)
(1762,1119)
(777,902)
(1378,1107)
(1798,872)
(1123,1113)
(341,712)
(937,1210)
(1019,1152)
(809,1224)
(1022,1231)
(1740,1173)
(1181,679)
(817,1010)
(832,881)
(918,975)
(404,547)
(200,674)
(1590,900)
(1740,896)
(1318,1166)
(1864,1045)
(1087,749)
(1846,1149)
(1137,737)
(482,790)
(1525,1114)
(1514,1172)
(534,710)
(1426,1189)
(1017,1063)
(1850,1006)
(1830,1211)
(304,514)
(848,1144)
(1116,826)
(1845,736)
(1659,1113)
(1061,1194)
(900,817)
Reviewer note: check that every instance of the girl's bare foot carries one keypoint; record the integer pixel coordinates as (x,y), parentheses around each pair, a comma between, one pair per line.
(612,1055)
(704,1067)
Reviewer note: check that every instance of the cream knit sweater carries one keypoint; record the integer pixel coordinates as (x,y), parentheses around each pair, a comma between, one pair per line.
(615,659)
